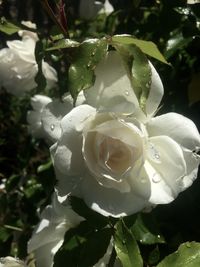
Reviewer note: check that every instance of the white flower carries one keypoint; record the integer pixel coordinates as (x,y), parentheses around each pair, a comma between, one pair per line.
(48,236)
(18,66)
(88,9)
(34,117)
(11,262)
(115,157)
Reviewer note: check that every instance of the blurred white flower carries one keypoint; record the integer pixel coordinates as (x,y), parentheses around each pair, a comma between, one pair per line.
(88,9)
(115,157)
(191,2)
(18,66)
(11,262)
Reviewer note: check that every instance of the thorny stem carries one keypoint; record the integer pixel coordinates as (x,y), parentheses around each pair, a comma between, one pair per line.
(50,12)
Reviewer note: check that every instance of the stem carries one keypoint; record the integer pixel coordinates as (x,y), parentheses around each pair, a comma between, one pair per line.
(13,228)
(50,12)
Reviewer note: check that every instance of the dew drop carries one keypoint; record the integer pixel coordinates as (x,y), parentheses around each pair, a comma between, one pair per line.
(88,65)
(127,93)
(188,245)
(93,54)
(154,154)
(52,127)
(158,236)
(156,178)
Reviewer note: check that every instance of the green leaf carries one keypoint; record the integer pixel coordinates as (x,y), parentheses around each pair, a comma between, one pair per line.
(154,256)
(81,72)
(126,246)
(12,182)
(80,247)
(145,230)
(44,167)
(147,47)
(139,71)
(62,44)
(8,27)
(187,255)
(94,218)
(176,43)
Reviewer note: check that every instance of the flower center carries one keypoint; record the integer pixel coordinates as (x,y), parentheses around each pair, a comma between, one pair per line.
(115,155)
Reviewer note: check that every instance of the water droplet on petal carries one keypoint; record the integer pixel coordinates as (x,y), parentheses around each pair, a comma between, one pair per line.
(156,178)
(127,93)
(52,127)
(154,153)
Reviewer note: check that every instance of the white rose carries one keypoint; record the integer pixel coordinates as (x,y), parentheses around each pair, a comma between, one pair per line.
(88,9)
(115,157)
(18,66)
(11,262)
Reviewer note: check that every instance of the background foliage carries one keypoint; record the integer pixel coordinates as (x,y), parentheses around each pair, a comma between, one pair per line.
(27,176)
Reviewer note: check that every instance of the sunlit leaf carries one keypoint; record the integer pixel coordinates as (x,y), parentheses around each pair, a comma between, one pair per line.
(146,47)
(187,255)
(62,44)
(81,72)
(176,42)
(146,230)
(126,246)
(8,27)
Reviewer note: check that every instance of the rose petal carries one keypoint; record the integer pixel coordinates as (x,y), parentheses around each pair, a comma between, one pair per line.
(112,90)
(67,154)
(51,117)
(38,102)
(155,93)
(108,201)
(170,164)
(176,126)
(192,160)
